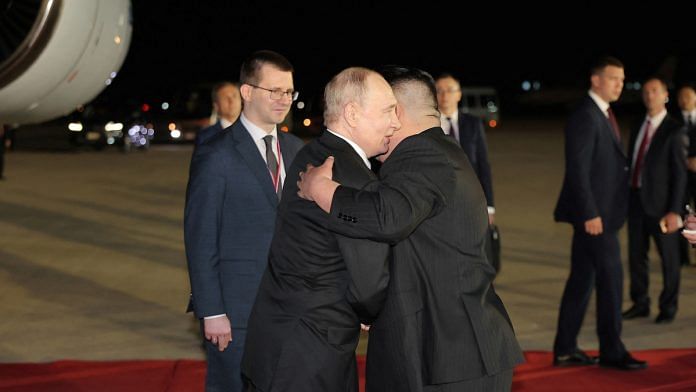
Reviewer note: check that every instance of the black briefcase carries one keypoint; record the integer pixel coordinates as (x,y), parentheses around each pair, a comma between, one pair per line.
(493,247)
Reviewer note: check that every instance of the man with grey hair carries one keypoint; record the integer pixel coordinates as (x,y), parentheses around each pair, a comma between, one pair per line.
(319,286)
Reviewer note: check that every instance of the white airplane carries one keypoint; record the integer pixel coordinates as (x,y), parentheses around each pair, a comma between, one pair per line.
(56,55)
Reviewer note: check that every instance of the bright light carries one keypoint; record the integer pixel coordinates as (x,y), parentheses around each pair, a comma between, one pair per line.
(536,85)
(526,85)
(172,126)
(117,39)
(165,105)
(112,126)
(300,105)
(285,128)
(492,123)
(113,74)
(307,122)
(75,126)
(107,82)
(175,133)
(110,140)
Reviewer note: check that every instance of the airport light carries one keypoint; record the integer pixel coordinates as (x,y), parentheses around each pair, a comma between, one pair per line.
(75,126)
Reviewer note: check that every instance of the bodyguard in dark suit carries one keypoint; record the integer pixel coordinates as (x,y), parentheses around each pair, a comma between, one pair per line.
(443,327)
(230,213)
(319,286)
(687,117)
(657,152)
(594,199)
(227,105)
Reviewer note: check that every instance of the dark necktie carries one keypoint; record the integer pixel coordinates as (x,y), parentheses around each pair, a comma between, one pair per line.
(272,164)
(451,128)
(614,124)
(638,166)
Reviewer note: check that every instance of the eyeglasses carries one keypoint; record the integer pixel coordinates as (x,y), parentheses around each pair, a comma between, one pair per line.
(278,94)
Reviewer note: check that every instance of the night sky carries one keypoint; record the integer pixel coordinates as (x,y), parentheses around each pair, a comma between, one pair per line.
(179,43)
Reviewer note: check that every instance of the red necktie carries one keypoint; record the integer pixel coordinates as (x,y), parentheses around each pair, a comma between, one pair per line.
(614,124)
(641,154)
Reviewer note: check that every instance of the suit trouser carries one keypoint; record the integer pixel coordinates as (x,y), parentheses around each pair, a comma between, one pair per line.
(224,369)
(595,262)
(500,382)
(640,228)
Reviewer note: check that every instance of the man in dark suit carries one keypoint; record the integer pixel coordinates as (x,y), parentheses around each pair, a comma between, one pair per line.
(443,327)
(594,200)
(231,204)
(657,152)
(227,105)
(686,99)
(319,286)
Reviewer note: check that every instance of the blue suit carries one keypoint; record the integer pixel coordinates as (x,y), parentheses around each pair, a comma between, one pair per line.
(228,225)
(208,132)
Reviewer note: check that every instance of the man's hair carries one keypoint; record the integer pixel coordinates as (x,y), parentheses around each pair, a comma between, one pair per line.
(659,79)
(413,85)
(447,75)
(349,85)
(249,71)
(603,62)
(689,85)
(218,86)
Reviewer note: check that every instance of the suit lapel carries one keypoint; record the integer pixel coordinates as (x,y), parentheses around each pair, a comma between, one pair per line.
(607,125)
(247,149)
(284,151)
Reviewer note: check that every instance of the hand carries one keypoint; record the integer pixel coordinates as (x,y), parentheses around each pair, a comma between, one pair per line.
(691,164)
(219,331)
(364,327)
(670,223)
(491,219)
(313,177)
(594,226)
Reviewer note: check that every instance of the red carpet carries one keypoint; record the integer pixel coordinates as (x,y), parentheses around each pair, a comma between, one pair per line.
(669,370)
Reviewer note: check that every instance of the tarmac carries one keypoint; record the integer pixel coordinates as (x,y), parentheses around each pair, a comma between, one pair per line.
(92,262)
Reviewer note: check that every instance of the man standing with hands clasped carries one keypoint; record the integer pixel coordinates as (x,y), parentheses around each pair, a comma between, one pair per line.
(234,185)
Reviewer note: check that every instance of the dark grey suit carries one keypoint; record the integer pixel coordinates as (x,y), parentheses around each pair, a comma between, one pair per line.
(229,220)
(663,189)
(442,322)
(318,287)
(208,133)
(472,138)
(595,185)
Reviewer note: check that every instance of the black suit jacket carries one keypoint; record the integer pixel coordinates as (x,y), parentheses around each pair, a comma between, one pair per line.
(318,287)
(472,138)
(208,133)
(663,176)
(442,321)
(596,173)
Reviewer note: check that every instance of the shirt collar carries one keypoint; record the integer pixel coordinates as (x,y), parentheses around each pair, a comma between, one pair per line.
(256,132)
(603,105)
(224,123)
(357,148)
(656,120)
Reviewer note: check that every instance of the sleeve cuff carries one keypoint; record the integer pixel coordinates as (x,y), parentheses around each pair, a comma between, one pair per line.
(491,210)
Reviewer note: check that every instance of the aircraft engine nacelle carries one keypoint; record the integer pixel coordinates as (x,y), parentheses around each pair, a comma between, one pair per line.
(58,54)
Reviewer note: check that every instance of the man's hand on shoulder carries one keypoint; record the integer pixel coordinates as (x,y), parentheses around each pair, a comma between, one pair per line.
(316,184)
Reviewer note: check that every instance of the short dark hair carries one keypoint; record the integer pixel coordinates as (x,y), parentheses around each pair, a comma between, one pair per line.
(447,75)
(690,85)
(603,62)
(218,86)
(250,67)
(659,79)
(396,75)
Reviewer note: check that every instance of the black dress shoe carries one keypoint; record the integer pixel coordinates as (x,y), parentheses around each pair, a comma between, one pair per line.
(577,358)
(664,318)
(625,363)
(636,311)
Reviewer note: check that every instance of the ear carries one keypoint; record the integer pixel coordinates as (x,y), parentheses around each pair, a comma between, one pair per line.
(350,114)
(595,80)
(245,92)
